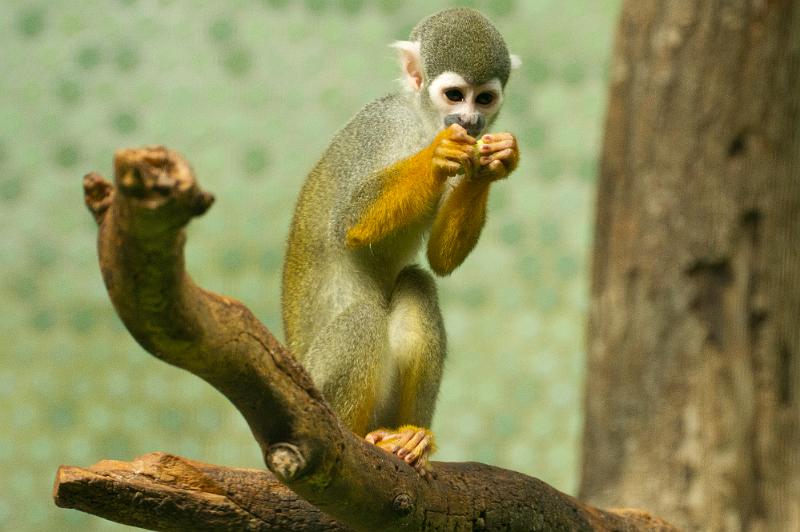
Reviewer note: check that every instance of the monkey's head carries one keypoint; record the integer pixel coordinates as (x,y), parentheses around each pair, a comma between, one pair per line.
(458,64)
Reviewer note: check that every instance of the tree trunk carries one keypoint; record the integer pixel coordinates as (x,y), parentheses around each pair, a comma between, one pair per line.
(692,406)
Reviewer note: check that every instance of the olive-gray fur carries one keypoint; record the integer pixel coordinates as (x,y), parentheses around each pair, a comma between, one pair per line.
(455,38)
(347,313)
(338,303)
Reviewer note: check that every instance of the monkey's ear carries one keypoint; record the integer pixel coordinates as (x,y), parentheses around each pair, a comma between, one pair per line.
(411,63)
(516,62)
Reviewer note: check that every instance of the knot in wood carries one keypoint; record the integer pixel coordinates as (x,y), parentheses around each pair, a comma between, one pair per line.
(285,460)
(403,504)
(201,202)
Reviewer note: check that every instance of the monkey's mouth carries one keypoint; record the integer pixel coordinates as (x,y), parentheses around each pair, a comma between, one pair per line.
(474,131)
(473,124)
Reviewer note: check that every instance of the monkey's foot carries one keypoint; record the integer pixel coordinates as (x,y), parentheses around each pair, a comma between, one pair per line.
(409,443)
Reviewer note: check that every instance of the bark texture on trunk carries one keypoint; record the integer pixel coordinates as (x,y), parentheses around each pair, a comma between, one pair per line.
(340,481)
(692,406)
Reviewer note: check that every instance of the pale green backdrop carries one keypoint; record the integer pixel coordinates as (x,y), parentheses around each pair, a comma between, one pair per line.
(250,92)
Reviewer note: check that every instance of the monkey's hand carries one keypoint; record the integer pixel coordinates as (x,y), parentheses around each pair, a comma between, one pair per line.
(498,156)
(409,443)
(452,153)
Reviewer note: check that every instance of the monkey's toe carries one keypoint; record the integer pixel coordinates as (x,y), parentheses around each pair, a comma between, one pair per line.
(410,444)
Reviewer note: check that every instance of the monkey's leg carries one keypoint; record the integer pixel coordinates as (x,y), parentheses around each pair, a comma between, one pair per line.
(347,360)
(418,345)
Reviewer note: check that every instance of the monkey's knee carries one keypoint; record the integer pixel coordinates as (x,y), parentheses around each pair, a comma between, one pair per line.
(413,280)
(416,329)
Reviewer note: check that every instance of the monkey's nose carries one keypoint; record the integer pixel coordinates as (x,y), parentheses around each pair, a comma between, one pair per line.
(473,124)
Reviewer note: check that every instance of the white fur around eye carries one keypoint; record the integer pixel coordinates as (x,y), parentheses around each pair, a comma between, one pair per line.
(495,87)
(446,80)
(451,80)
(442,82)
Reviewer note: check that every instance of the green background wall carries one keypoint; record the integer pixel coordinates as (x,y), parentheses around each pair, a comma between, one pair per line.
(250,92)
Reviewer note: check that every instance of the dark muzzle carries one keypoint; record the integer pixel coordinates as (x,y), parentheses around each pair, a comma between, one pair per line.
(474,123)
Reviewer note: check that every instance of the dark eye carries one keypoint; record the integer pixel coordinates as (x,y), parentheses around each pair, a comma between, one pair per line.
(454,95)
(484,98)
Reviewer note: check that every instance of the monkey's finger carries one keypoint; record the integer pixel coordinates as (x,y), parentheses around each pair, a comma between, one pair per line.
(465,147)
(493,147)
(387,441)
(447,163)
(450,167)
(496,166)
(453,147)
(488,159)
(426,471)
(493,171)
(498,137)
(454,129)
(389,446)
(456,144)
(501,155)
(419,449)
(411,445)
(402,440)
(507,157)
(497,170)
(376,436)
(457,156)
(423,472)
(465,158)
(458,133)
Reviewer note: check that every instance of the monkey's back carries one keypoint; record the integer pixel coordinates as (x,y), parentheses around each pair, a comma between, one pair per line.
(321,277)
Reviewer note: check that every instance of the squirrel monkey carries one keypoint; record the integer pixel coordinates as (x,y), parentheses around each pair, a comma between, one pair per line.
(357,311)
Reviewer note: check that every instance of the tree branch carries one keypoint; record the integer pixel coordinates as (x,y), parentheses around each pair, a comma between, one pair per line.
(140,245)
(162,491)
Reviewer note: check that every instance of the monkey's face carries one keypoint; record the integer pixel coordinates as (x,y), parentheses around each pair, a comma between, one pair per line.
(469,105)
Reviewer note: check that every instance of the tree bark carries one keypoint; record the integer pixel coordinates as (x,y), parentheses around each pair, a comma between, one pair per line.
(161,492)
(692,406)
(358,485)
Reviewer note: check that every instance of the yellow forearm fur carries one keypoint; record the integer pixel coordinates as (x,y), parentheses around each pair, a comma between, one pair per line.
(457,226)
(409,189)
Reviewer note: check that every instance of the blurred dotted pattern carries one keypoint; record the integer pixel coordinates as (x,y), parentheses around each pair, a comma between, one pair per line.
(251,92)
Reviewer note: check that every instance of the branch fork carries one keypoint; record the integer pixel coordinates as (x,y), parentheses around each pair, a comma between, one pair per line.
(323,476)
